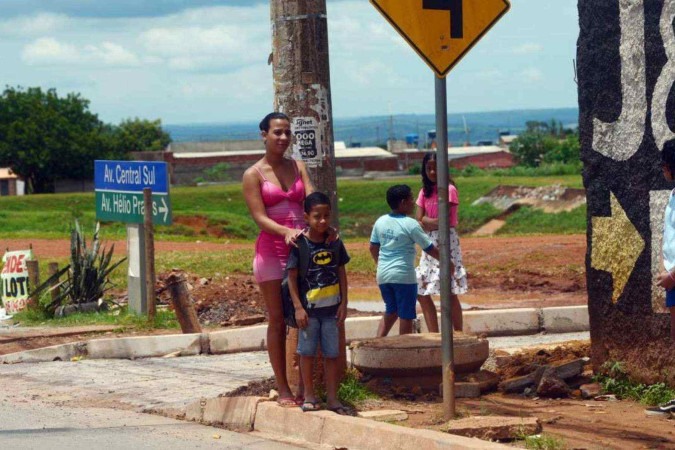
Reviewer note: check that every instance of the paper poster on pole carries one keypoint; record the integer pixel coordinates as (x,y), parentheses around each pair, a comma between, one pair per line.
(307,141)
(14,277)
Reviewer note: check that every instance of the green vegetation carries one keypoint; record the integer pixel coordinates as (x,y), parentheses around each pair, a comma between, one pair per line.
(44,137)
(87,275)
(544,143)
(361,203)
(351,391)
(119,317)
(544,442)
(614,380)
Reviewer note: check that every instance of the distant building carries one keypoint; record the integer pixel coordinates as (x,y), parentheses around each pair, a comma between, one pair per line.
(484,157)
(188,160)
(10,183)
(505,141)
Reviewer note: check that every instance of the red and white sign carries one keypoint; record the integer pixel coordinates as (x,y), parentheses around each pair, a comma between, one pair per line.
(14,277)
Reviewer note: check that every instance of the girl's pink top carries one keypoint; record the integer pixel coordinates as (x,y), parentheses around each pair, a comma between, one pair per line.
(430,204)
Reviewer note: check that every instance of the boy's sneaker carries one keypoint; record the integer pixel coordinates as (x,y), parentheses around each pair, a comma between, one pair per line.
(662,410)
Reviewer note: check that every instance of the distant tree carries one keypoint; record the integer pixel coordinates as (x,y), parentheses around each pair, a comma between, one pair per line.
(44,137)
(140,135)
(544,142)
(565,151)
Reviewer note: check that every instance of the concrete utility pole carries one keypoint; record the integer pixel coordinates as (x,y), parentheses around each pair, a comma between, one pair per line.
(302,86)
(302,91)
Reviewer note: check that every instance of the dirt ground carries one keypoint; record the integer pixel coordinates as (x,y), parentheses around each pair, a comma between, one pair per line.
(504,272)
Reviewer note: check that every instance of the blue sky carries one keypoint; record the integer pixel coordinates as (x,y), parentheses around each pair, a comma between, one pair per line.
(200,61)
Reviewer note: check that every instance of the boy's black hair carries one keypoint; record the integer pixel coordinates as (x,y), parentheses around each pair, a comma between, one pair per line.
(668,155)
(428,185)
(265,123)
(314,199)
(396,194)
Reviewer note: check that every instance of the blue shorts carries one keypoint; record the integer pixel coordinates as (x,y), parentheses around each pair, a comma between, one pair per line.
(400,299)
(670,298)
(319,329)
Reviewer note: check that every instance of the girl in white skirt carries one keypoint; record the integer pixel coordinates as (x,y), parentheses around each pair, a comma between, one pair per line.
(428,271)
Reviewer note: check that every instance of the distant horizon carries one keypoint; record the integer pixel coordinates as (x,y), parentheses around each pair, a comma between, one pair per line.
(335,118)
(376,130)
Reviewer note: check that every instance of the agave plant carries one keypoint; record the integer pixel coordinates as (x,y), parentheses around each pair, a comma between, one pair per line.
(87,274)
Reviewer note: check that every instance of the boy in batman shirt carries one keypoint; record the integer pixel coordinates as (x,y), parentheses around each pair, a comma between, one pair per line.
(320,300)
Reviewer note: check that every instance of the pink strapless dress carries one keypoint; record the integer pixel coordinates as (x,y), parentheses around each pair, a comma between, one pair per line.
(285,208)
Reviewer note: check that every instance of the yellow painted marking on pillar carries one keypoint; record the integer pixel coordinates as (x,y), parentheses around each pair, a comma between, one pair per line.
(616,246)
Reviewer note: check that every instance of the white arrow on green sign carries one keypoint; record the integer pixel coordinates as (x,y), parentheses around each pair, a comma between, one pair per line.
(119,191)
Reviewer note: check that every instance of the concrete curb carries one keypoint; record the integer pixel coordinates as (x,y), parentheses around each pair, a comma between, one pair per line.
(329,429)
(491,322)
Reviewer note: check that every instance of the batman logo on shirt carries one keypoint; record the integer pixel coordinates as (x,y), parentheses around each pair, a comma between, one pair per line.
(323,258)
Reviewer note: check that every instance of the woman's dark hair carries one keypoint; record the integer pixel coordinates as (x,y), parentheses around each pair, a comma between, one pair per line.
(668,155)
(265,123)
(429,185)
(314,199)
(396,194)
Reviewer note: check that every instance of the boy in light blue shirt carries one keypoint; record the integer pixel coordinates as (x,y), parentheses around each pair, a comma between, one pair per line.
(666,279)
(392,246)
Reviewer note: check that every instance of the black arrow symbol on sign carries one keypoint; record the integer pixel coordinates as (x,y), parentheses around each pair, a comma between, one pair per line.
(456,16)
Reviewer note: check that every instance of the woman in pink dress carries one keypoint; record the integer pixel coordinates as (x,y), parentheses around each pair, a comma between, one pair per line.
(274,189)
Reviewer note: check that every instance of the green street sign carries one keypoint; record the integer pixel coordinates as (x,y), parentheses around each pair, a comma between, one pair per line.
(128,207)
(119,191)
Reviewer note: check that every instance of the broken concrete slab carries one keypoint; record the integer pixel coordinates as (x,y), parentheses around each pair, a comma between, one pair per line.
(551,385)
(590,390)
(497,428)
(570,369)
(384,415)
(518,384)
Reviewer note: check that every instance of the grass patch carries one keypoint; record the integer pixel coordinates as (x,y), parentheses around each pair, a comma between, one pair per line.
(544,442)
(528,220)
(361,203)
(615,380)
(351,391)
(121,317)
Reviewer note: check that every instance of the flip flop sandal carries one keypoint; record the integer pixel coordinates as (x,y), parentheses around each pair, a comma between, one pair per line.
(310,406)
(287,402)
(341,410)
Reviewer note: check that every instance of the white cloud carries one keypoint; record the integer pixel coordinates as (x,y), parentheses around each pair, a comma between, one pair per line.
(528,49)
(40,24)
(112,54)
(532,74)
(49,51)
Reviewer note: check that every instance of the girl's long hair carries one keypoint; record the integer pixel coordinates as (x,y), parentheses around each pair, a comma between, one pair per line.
(429,185)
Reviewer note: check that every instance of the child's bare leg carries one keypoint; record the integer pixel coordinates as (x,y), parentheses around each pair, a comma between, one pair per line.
(388,321)
(429,311)
(331,366)
(457,320)
(672,323)
(307,372)
(405,326)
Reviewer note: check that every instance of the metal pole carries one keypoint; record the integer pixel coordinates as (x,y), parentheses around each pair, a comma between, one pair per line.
(444,247)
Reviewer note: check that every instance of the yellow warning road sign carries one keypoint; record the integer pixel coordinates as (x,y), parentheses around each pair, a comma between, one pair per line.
(442,31)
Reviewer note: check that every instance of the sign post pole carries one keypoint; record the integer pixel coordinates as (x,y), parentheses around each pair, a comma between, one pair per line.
(138,300)
(149,253)
(442,32)
(444,248)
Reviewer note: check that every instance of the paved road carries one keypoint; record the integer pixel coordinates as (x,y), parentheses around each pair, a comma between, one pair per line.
(35,426)
(60,404)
